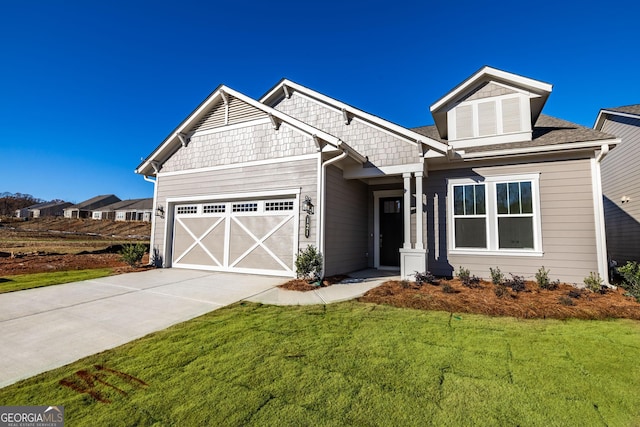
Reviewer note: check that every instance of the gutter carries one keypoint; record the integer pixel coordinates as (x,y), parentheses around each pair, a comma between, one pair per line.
(322,197)
(598,208)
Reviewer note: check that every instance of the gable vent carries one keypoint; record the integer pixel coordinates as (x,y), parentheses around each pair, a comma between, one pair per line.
(213,119)
(242,112)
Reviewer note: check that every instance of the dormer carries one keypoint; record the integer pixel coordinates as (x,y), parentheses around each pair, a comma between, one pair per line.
(490,107)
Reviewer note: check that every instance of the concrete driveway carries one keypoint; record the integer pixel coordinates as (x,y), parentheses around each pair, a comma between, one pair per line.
(48,327)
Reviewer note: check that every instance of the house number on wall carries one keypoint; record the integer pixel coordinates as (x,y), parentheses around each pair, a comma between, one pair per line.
(307,226)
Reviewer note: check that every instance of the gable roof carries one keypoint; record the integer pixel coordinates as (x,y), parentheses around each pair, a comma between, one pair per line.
(127,205)
(285,87)
(96,201)
(549,133)
(538,93)
(632,111)
(171,144)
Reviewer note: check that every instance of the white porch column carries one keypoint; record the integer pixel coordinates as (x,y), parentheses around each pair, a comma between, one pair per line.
(406,212)
(419,211)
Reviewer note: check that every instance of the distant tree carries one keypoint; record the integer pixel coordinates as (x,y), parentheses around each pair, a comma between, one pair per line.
(9,203)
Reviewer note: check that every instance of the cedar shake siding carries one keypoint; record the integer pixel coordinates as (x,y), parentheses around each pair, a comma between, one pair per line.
(380,147)
(567,217)
(620,178)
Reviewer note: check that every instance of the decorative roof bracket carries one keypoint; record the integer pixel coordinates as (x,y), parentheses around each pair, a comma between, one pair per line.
(156,167)
(286,91)
(318,142)
(184,139)
(225,98)
(345,116)
(274,122)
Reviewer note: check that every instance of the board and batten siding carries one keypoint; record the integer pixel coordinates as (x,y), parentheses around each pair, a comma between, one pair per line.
(346,236)
(567,218)
(380,147)
(620,172)
(235,182)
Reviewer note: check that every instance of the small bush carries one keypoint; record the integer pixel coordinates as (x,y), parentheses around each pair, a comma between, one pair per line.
(516,283)
(593,282)
(309,264)
(132,254)
(426,277)
(405,284)
(542,278)
(448,289)
(497,278)
(575,293)
(565,300)
(631,279)
(502,291)
(463,274)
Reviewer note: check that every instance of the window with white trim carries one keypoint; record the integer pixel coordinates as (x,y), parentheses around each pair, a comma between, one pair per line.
(187,209)
(244,207)
(496,215)
(120,216)
(283,205)
(217,208)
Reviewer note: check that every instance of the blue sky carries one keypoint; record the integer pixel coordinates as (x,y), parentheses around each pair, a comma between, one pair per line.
(87,89)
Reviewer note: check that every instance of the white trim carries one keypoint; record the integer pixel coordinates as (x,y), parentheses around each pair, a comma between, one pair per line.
(491,72)
(231,127)
(236,196)
(598,211)
(539,149)
(603,113)
(377,195)
(359,172)
(491,215)
(241,165)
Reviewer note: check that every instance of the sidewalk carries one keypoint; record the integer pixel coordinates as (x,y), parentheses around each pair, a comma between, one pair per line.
(355,286)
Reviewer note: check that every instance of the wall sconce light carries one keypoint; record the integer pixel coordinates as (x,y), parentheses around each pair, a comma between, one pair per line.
(625,199)
(160,211)
(307,206)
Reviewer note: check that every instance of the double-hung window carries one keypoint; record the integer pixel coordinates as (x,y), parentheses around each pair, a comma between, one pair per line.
(495,215)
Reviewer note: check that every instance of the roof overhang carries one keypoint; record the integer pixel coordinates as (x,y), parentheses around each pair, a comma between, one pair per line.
(538,92)
(151,165)
(286,88)
(604,114)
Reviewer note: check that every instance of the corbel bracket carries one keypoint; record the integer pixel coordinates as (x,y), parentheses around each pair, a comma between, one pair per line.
(274,122)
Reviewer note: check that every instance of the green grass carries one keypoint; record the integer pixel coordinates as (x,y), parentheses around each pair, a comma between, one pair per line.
(21,282)
(354,364)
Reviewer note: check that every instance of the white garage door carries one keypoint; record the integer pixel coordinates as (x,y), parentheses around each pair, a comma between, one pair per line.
(252,236)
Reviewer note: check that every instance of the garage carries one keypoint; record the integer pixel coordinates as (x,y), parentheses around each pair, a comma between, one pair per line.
(247,236)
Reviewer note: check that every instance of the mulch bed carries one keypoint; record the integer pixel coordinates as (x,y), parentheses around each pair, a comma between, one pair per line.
(302,285)
(533,302)
(43,263)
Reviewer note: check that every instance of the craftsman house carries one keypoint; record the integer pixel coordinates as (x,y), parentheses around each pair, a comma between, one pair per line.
(621,183)
(243,185)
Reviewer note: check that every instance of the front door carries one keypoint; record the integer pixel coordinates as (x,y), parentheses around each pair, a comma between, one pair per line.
(391,231)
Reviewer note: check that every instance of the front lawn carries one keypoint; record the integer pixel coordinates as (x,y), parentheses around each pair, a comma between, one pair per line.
(354,364)
(21,282)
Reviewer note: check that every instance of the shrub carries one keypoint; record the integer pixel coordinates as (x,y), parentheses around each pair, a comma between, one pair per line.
(132,254)
(466,278)
(309,264)
(565,300)
(542,277)
(631,278)
(516,283)
(502,291)
(426,277)
(593,282)
(575,293)
(497,278)
(448,289)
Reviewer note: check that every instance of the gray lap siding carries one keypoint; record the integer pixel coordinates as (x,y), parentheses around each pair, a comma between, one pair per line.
(234,182)
(567,221)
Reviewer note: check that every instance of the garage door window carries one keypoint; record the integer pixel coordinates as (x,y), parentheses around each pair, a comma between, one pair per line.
(244,207)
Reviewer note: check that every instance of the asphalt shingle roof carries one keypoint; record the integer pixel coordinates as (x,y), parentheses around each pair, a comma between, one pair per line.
(547,131)
(628,109)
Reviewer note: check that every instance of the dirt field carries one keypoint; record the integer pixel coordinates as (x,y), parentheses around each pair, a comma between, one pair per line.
(57,244)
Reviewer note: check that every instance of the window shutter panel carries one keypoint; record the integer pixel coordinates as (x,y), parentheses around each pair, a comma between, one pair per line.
(511,115)
(487,123)
(464,121)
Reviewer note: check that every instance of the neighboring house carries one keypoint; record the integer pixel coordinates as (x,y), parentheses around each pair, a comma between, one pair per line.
(86,208)
(621,182)
(42,210)
(493,183)
(126,210)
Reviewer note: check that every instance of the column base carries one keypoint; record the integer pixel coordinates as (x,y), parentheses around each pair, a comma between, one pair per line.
(412,261)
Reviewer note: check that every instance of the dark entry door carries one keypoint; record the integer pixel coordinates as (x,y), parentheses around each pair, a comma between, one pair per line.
(391,231)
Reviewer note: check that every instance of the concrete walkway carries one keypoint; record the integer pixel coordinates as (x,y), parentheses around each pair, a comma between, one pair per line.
(45,328)
(356,286)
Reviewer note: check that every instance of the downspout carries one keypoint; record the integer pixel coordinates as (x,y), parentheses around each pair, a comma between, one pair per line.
(322,197)
(153,215)
(601,237)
